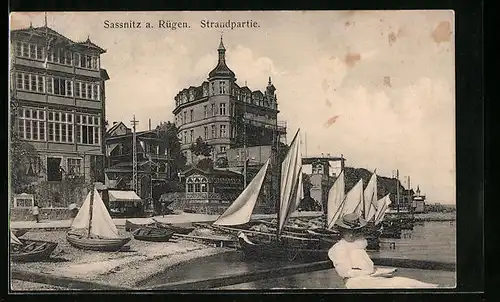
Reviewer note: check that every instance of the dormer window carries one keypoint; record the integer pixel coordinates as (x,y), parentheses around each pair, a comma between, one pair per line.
(213,88)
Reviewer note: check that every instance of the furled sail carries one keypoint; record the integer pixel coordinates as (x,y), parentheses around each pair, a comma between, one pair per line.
(101,223)
(336,197)
(290,169)
(383,205)
(241,209)
(354,199)
(370,198)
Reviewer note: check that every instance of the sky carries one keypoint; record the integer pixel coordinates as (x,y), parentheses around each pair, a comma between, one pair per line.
(375,86)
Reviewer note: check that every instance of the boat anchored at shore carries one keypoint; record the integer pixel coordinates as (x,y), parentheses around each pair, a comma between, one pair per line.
(101,234)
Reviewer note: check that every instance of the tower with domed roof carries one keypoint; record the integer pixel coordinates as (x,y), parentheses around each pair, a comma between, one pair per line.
(219,109)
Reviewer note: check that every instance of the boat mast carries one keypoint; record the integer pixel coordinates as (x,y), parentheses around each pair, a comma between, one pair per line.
(91,208)
(275,188)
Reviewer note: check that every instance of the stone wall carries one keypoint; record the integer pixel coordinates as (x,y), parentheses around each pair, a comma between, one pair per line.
(26,214)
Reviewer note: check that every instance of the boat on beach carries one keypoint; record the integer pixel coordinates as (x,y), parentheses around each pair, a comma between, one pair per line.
(24,250)
(93,228)
(152,234)
(182,229)
(130,226)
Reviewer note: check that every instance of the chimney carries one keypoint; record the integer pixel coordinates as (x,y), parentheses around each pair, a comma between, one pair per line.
(149,124)
(409,184)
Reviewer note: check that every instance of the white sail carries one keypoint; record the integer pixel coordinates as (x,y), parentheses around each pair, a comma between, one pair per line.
(101,224)
(370,198)
(354,199)
(241,209)
(14,239)
(383,206)
(297,196)
(81,221)
(336,197)
(290,169)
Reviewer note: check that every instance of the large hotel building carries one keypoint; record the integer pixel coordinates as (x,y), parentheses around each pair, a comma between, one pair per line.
(218,109)
(57,86)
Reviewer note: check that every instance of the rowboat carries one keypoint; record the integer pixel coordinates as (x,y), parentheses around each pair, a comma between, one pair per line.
(19,232)
(101,233)
(24,250)
(130,226)
(183,229)
(152,234)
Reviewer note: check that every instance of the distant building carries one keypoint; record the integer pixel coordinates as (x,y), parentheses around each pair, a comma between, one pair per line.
(418,202)
(153,160)
(321,169)
(57,87)
(209,191)
(218,109)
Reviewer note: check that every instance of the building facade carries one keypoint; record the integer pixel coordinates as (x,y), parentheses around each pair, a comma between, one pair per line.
(153,160)
(58,97)
(226,115)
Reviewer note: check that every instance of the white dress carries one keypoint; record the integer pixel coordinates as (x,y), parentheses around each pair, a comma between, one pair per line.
(354,265)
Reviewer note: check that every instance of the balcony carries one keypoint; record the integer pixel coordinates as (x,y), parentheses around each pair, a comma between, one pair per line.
(281,125)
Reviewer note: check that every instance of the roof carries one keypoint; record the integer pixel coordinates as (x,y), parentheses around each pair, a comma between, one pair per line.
(221,70)
(114,127)
(123,196)
(44,31)
(216,172)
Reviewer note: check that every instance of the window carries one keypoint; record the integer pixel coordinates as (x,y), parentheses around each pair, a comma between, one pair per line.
(213,132)
(191,135)
(29,50)
(185,137)
(222,108)
(222,130)
(185,117)
(74,166)
(205,129)
(212,111)
(24,201)
(213,88)
(223,149)
(222,87)
(61,86)
(205,111)
(191,115)
(77,59)
(88,129)
(30,82)
(31,124)
(60,127)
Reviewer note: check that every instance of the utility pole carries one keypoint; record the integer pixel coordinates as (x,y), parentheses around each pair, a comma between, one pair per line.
(134,156)
(245,157)
(397,189)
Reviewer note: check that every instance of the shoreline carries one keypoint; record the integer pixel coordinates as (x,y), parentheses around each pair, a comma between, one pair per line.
(124,268)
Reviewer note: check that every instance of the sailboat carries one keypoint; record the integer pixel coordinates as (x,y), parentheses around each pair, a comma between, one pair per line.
(282,246)
(101,234)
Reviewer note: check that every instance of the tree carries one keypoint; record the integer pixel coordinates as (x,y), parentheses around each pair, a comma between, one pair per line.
(205,164)
(222,162)
(22,155)
(168,133)
(200,147)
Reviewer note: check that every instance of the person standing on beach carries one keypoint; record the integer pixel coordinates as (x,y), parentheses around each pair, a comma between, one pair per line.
(36,212)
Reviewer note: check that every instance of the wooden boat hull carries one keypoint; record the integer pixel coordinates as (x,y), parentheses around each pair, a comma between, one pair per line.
(281,251)
(41,250)
(130,226)
(177,229)
(96,244)
(153,234)
(19,232)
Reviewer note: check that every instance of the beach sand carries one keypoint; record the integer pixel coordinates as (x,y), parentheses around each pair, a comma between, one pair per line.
(123,268)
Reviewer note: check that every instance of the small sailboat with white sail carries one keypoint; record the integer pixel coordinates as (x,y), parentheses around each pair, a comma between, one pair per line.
(93,228)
